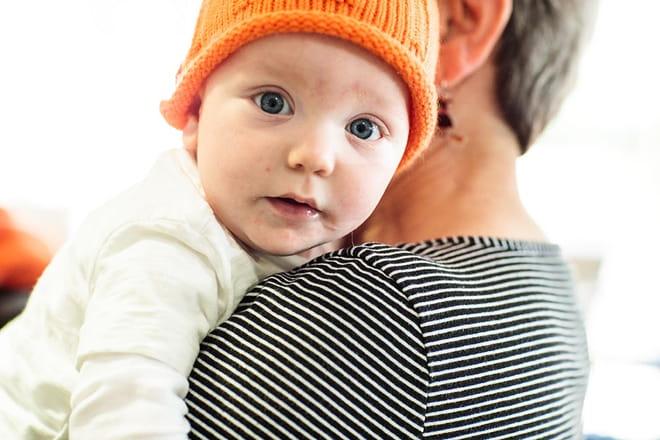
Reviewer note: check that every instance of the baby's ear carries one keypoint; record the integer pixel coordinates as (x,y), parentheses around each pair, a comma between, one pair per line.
(189,135)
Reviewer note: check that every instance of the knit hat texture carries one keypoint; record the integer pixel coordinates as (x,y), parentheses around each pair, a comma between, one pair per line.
(401,32)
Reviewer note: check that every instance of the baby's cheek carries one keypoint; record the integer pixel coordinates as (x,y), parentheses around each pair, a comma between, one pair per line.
(359,205)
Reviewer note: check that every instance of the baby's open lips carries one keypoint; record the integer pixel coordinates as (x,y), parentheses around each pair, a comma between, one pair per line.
(291,205)
(293,202)
(298,201)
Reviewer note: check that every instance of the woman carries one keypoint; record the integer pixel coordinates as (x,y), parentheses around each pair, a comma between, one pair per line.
(476,336)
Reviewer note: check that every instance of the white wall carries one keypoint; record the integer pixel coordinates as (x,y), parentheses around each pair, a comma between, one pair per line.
(80,85)
(594,182)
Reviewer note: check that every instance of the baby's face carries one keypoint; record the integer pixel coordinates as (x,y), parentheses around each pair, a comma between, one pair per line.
(298,137)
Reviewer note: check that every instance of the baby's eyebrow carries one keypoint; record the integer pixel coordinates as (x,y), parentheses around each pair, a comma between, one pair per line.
(364,93)
(274,68)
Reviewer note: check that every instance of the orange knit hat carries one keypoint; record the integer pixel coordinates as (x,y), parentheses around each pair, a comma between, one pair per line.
(401,32)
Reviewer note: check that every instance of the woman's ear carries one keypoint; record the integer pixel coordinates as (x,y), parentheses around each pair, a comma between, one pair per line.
(189,135)
(470,30)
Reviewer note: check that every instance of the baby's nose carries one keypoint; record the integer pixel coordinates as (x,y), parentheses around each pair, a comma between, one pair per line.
(314,152)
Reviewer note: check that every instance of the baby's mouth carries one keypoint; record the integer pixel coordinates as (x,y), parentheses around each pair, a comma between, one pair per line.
(295,202)
(294,208)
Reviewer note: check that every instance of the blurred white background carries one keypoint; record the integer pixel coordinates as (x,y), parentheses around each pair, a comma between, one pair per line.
(593,181)
(80,85)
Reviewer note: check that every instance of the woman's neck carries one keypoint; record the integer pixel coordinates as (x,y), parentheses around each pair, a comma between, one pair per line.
(456,188)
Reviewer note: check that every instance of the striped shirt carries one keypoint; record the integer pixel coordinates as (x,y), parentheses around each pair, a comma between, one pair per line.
(461,338)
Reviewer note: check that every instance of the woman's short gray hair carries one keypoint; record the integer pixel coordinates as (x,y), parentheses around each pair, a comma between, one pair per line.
(536,61)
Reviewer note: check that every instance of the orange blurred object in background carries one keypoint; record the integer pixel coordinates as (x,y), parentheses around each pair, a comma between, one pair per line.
(23,257)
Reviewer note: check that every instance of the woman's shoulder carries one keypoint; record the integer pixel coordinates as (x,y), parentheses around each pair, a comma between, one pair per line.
(403,279)
(445,256)
(397,341)
(334,342)
(365,274)
(436,248)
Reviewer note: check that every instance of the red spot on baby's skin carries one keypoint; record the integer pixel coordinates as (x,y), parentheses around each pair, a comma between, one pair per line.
(267,169)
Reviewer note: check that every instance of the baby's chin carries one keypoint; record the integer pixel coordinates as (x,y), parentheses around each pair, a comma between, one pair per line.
(322,249)
(288,250)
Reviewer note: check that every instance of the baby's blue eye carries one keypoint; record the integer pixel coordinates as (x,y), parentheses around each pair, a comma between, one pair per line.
(273,103)
(364,129)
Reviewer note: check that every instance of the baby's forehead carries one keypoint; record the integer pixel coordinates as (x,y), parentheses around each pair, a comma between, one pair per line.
(312,61)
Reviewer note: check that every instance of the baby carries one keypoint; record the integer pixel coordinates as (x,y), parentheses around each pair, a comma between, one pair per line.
(295,117)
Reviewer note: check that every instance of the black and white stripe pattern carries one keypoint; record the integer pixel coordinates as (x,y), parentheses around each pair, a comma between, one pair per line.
(464,338)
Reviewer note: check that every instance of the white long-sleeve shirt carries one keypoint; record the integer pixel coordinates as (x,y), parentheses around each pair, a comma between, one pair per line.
(114,324)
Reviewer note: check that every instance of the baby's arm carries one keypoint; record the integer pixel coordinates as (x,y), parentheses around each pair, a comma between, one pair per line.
(128,396)
(153,298)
